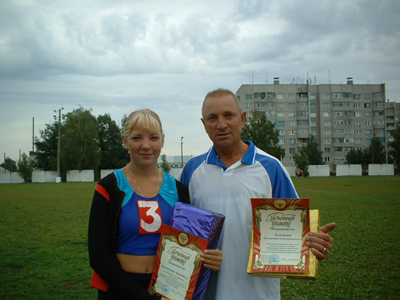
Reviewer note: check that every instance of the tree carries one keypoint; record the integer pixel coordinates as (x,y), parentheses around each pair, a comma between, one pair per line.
(164,164)
(313,152)
(9,165)
(80,146)
(395,145)
(46,148)
(302,161)
(263,133)
(113,155)
(377,151)
(25,167)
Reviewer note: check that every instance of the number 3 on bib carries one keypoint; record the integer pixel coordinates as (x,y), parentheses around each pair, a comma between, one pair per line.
(150,216)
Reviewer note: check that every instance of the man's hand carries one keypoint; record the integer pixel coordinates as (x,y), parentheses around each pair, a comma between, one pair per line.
(321,242)
(212,259)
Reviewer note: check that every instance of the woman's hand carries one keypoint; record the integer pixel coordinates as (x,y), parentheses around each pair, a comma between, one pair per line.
(212,259)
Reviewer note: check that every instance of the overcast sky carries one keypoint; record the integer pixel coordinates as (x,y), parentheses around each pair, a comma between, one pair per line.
(119,56)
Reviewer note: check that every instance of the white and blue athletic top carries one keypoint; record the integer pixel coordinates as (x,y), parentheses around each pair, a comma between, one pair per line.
(228,191)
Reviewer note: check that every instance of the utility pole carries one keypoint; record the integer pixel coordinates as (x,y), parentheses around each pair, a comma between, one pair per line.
(59,140)
(182,151)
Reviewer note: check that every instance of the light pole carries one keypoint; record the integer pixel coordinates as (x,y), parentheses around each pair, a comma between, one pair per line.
(59,139)
(182,151)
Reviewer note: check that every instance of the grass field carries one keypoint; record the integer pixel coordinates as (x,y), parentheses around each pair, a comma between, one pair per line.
(43,240)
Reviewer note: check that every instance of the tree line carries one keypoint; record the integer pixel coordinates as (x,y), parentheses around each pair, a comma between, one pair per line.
(94,143)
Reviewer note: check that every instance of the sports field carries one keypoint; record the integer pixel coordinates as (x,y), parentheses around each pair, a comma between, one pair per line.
(43,240)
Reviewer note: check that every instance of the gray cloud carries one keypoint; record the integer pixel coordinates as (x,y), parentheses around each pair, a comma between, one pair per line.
(117,56)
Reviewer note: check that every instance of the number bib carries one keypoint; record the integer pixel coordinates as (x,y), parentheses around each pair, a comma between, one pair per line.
(150,216)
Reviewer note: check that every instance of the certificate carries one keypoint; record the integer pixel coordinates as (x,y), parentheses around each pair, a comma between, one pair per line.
(177,264)
(278,246)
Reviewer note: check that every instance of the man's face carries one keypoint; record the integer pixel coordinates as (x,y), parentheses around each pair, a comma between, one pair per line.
(223,121)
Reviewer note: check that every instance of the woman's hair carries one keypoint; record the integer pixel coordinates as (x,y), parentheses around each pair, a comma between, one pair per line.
(144,118)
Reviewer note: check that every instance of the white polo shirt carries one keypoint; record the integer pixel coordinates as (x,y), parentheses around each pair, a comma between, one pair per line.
(228,191)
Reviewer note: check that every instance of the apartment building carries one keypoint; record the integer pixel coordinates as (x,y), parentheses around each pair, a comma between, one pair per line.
(339,116)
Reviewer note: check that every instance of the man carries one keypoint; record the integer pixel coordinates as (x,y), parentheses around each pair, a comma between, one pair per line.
(223,180)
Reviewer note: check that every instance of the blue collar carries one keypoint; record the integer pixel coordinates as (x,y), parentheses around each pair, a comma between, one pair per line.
(248,158)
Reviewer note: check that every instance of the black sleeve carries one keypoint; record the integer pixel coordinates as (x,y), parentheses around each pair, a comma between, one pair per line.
(183,192)
(102,243)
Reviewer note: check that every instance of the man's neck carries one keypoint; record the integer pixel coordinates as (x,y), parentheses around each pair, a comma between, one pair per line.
(233,154)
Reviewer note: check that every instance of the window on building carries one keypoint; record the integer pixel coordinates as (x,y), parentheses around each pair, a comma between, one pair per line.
(358,141)
(368,141)
(357,123)
(368,114)
(326,96)
(302,131)
(367,96)
(357,104)
(368,131)
(281,123)
(301,113)
(327,141)
(377,95)
(281,132)
(347,95)
(281,142)
(249,105)
(290,96)
(357,114)
(302,122)
(281,114)
(327,158)
(357,96)
(292,123)
(327,123)
(260,95)
(337,95)
(292,150)
(291,114)
(326,114)
(313,115)
(281,105)
(279,96)
(292,132)
(367,123)
(358,131)
(327,105)
(328,150)
(327,132)
(292,105)
(367,105)
(249,96)
(292,141)
(313,106)
(313,123)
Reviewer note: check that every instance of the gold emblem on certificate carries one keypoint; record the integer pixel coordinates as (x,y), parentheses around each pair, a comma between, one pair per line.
(177,264)
(278,247)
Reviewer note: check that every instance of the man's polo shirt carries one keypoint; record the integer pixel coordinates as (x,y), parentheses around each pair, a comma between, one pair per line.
(228,191)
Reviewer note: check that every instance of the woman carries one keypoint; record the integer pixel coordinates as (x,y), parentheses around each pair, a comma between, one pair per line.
(129,207)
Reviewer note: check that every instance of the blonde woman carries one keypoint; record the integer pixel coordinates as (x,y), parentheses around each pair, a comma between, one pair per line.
(129,207)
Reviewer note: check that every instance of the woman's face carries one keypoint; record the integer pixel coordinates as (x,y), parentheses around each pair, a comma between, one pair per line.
(144,146)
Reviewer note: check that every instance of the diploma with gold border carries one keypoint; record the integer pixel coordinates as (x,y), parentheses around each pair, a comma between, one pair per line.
(177,264)
(278,247)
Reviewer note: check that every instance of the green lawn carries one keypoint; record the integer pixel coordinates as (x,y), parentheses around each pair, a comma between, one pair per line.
(44,235)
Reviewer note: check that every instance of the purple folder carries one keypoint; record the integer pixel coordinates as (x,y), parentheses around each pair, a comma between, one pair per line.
(202,223)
